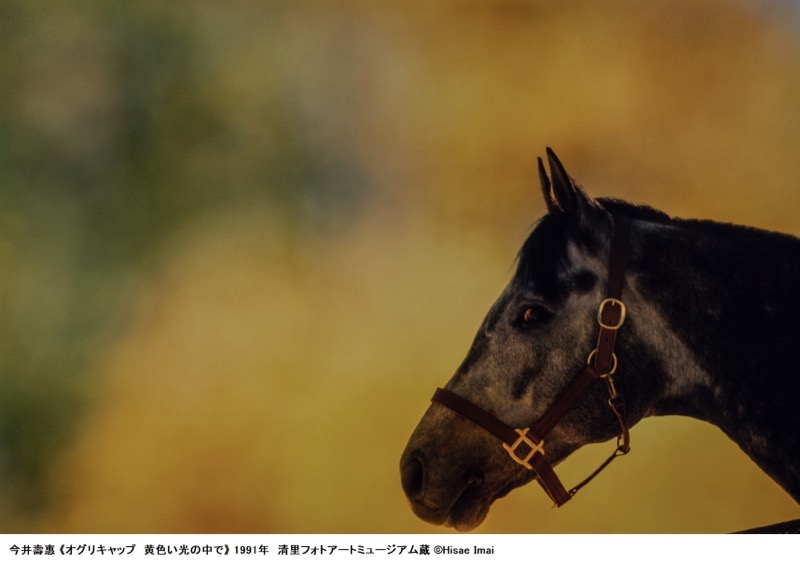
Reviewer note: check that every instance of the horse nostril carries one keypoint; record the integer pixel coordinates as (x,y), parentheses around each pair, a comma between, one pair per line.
(412,475)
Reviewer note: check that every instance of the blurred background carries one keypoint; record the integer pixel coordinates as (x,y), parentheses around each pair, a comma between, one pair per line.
(242,242)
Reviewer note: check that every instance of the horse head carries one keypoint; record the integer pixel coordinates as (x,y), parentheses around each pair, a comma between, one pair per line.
(534,340)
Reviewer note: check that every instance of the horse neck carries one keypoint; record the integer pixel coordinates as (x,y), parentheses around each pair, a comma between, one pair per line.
(727,297)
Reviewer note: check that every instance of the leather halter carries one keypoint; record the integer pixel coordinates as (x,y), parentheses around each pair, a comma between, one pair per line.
(526,446)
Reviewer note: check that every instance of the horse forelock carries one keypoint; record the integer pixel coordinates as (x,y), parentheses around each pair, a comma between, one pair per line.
(541,257)
(554,253)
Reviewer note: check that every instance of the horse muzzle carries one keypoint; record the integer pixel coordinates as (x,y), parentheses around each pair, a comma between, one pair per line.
(453,482)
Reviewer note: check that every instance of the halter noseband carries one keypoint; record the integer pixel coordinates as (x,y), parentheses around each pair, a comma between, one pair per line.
(526,445)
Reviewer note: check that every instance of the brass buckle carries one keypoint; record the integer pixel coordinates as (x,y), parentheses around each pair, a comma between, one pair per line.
(602,309)
(524,439)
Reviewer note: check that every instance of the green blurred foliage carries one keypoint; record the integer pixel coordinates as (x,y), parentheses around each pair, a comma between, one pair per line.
(241,238)
(112,140)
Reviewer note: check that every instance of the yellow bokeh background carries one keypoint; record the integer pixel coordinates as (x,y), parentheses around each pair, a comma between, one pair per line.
(274,344)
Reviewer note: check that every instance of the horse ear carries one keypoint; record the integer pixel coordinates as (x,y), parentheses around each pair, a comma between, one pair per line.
(549,199)
(563,195)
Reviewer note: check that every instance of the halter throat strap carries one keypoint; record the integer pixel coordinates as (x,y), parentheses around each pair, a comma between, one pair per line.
(526,446)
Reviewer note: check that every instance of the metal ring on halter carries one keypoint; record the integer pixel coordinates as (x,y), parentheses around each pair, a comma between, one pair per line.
(593,353)
(602,309)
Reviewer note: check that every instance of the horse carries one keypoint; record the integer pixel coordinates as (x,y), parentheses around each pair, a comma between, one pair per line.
(677,317)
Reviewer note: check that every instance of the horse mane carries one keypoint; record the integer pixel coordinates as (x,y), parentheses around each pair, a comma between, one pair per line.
(544,251)
(698,226)
(546,245)
(640,212)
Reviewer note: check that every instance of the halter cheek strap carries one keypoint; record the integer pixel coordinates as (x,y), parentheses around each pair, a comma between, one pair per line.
(526,446)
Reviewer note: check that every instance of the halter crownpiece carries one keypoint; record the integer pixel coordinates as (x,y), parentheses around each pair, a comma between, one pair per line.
(526,446)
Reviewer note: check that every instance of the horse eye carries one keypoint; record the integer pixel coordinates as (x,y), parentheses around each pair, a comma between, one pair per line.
(536,314)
